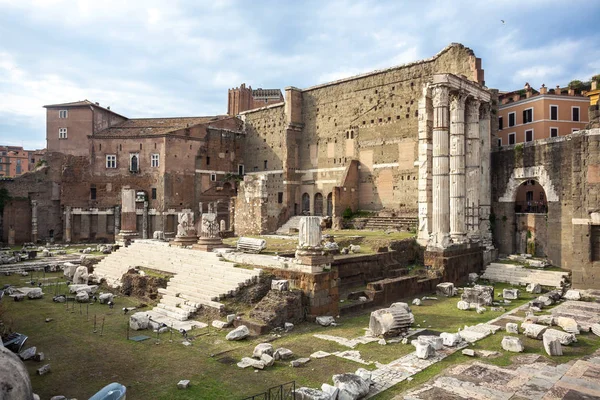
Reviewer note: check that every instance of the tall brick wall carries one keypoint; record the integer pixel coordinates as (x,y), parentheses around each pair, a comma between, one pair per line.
(569,171)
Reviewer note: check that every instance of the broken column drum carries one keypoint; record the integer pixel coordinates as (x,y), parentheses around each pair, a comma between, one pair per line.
(310,250)
(186,232)
(209,238)
(454,187)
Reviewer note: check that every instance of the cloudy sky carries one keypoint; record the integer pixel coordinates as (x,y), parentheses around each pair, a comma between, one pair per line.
(178,58)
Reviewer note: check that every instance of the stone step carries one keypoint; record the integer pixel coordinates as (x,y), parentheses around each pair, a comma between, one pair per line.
(188,325)
(169,314)
(213,291)
(217,284)
(184,314)
(207,303)
(184,304)
(194,300)
(227,275)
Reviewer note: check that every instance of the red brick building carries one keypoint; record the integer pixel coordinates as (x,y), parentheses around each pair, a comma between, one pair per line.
(15,161)
(245,98)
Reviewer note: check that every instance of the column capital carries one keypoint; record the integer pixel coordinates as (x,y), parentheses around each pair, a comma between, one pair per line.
(457,100)
(484,111)
(473,106)
(440,96)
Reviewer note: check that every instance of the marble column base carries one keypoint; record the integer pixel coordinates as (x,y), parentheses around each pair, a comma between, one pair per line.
(313,257)
(126,236)
(182,241)
(208,244)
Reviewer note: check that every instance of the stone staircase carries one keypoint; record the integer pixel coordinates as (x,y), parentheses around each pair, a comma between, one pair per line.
(291,223)
(375,223)
(517,275)
(200,278)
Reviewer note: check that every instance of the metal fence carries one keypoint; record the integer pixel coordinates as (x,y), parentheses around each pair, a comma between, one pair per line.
(531,207)
(285,391)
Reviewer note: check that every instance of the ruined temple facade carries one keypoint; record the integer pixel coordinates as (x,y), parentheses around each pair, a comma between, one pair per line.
(352,143)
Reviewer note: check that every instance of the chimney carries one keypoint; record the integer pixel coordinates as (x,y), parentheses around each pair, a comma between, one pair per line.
(108,108)
(571,92)
(97,103)
(557,90)
(543,89)
(528,91)
(516,97)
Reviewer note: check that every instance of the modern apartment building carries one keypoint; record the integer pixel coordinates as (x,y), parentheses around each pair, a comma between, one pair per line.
(15,161)
(527,115)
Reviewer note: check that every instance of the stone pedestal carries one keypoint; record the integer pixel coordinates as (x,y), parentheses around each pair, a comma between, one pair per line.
(209,233)
(128,231)
(455,263)
(186,233)
(310,251)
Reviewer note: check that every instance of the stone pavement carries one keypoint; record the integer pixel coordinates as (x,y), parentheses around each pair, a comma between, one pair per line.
(585,313)
(533,378)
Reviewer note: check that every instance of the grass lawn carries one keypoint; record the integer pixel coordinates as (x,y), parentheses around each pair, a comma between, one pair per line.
(83,362)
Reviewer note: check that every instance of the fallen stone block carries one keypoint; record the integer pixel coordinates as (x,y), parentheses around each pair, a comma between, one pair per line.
(320,354)
(435,341)
(545,300)
(463,305)
(267,359)
(445,289)
(351,386)
(514,344)
(596,329)
(332,391)
(534,288)
(363,373)
(511,327)
(424,350)
(251,362)
(82,297)
(572,295)
(81,275)
(282,285)
(283,354)
(219,324)
(450,339)
(416,302)
(564,338)
(510,294)
(239,333)
(288,326)
(533,331)
(473,277)
(304,393)
(401,305)
(299,362)
(325,320)
(479,294)
(568,324)
(28,353)
(468,352)
(545,320)
(39,357)
(139,321)
(552,345)
(262,348)
(35,293)
(104,298)
(44,369)
(183,384)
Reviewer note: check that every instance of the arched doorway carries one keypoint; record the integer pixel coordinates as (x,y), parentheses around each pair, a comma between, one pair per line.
(531,209)
(330,204)
(305,204)
(318,207)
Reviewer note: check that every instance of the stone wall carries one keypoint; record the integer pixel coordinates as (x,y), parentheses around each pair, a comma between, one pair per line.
(568,168)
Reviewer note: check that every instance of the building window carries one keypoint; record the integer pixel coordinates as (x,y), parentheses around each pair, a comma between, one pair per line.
(528,115)
(265,165)
(213,177)
(111,161)
(63,114)
(153,193)
(154,160)
(512,138)
(554,113)
(529,135)
(553,132)
(241,170)
(512,119)
(499,142)
(134,162)
(207,160)
(575,114)
(280,197)
(93,193)
(500,123)
(62,133)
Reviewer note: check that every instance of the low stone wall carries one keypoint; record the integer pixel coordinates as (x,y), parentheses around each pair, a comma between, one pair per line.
(455,264)
(387,291)
(358,270)
(320,290)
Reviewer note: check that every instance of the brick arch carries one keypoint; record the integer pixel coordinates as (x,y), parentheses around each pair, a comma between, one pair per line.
(520,175)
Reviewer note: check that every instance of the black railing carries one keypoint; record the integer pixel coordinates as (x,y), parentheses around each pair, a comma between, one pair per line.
(531,207)
(285,391)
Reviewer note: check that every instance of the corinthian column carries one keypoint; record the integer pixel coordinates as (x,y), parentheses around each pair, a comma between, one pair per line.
(472,168)
(457,168)
(34,221)
(425,165)
(441,200)
(485,193)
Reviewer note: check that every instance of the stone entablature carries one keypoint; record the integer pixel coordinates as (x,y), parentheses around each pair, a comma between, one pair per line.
(454,147)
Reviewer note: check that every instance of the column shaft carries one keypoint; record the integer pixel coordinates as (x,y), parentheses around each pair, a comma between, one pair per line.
(440,167)
(425,201)
(485,187)
(68,222)
(457,167)
(473,171)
